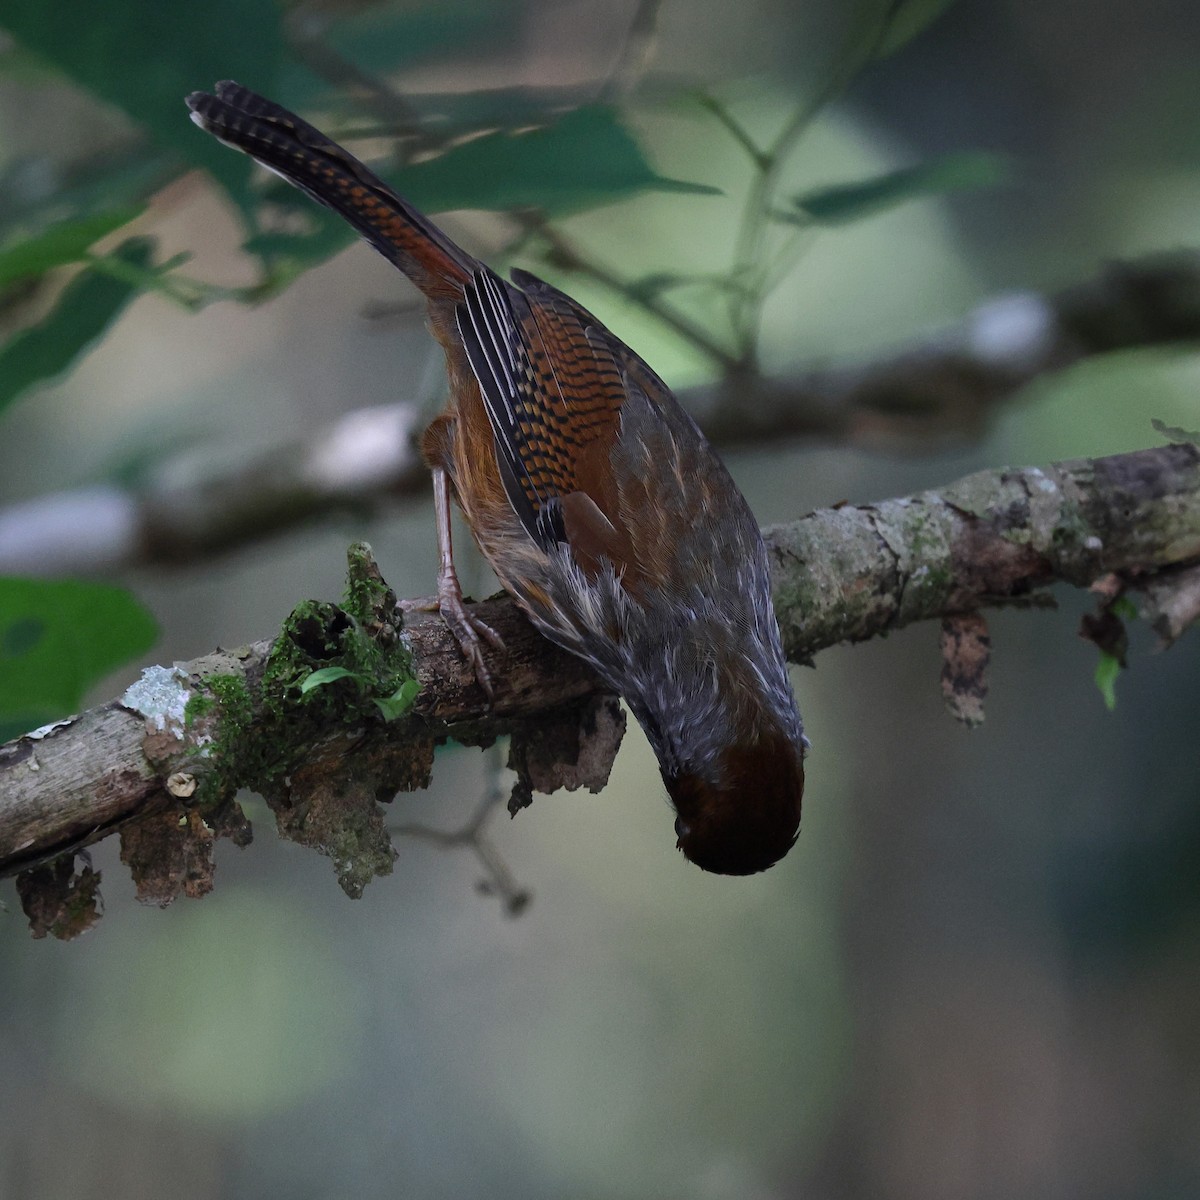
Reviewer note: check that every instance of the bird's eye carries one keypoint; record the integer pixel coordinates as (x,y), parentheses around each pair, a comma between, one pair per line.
(682,829)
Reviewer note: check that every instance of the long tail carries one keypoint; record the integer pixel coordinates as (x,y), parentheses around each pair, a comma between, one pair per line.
(304,156)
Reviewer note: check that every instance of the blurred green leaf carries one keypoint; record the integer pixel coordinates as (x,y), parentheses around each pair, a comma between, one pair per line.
(1113,646)
(383,38)
(650,286)
(144,56)
(497,108)
(88,305)
(400,701)
(22,721)
(123,179)
(330,235)
(586,158)
(379,40)
(1173,433)
(20,66)
(1107,670)
(57,638)
(908,18)
(845,202)
(325,675)
(59,244)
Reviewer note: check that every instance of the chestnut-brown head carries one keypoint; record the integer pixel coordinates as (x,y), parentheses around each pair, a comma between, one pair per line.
(746,818)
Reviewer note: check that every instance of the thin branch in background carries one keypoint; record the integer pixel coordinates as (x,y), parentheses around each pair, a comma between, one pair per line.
(750,250)
(167,280)
(565,255)
(194,504)
(943,389)
(751,278)
(411,309)
(735,129)
(306,40)
(498,878)
(636,54)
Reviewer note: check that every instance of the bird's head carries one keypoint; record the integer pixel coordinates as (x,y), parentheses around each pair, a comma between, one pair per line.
(743,816)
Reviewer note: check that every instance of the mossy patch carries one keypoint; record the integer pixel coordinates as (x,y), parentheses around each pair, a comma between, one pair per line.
(333,672)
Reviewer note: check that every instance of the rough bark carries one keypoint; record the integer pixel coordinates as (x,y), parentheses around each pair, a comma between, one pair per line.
(844,574)
(848,574)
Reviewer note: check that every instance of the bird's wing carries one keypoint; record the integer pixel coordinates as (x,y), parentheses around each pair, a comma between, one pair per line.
(554,399)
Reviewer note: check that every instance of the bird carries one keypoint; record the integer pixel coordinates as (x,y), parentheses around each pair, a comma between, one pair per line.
(594,497)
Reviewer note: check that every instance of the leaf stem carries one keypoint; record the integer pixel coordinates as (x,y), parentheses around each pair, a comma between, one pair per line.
(750,247)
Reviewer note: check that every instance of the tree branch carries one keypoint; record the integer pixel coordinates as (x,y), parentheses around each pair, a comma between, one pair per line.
(181,741)
(948,386)
(993,538)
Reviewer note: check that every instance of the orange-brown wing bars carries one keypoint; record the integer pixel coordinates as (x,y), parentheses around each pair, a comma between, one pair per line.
(552,401)
(305,157)
(500,358)
(583,382)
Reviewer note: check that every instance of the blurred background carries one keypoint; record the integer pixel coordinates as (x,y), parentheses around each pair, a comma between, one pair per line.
(976,973)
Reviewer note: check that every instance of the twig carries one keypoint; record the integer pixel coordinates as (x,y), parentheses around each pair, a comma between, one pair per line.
(566,256)
(637,49)
(749,251)
(305,37)
(499,880)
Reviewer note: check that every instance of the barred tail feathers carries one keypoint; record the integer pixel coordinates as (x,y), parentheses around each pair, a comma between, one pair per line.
(302,155)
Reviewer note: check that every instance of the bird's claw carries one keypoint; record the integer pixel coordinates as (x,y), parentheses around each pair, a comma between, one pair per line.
(469,631)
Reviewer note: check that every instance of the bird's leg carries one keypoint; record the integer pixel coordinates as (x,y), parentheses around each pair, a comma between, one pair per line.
(469,631)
